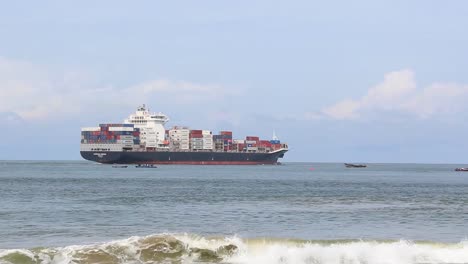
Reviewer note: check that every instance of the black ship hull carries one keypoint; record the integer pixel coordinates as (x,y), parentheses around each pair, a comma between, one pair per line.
(180,157)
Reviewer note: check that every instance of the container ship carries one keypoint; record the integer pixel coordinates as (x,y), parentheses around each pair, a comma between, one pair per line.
(143,139)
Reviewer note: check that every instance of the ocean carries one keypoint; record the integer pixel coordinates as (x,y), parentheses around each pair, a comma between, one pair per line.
(81,212)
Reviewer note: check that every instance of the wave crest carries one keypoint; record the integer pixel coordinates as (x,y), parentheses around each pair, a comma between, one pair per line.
(167,248)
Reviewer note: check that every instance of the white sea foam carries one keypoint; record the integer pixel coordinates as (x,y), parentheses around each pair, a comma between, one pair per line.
(400,252)
(186,248)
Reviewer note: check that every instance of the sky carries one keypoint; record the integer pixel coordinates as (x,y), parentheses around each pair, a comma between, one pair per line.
(339,81)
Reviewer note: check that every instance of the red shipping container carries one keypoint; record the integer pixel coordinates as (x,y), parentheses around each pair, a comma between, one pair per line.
(193,132)
(196,136)
(252,138)
(228,133)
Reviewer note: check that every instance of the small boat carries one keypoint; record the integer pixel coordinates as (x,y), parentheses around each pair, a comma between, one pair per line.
(350,165)
(151,166)
(461,169)
(119,166)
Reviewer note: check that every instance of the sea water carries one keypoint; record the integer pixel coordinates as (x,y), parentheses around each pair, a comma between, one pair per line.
(81,212)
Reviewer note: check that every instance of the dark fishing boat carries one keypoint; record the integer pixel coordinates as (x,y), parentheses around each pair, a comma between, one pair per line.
(461,169)
(150,166)
(350,165)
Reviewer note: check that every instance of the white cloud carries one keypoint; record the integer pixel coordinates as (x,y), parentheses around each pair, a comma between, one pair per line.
(181,92)
(346,109)
(36,93)
(10,118)
(398,93)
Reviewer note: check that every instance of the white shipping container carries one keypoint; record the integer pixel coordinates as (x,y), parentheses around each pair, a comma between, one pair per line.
(179,131)
(174,133)
(239,141)
(206,132)
(121,129)
(180,137)
(250,142)
(90,129)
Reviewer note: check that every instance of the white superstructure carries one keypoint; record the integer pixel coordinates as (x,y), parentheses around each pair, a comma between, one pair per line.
(151,125)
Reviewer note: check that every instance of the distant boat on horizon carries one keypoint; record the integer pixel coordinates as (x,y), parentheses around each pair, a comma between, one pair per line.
(461,169)
(350,165)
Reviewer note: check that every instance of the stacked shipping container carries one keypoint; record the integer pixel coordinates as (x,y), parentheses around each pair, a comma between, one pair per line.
(123,135)
(207,140)
(201,140)
(177,138)
(223,141)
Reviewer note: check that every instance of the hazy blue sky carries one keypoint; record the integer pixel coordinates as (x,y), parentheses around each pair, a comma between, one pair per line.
(370,81)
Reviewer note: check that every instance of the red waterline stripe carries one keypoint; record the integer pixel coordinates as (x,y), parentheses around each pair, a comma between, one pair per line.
(209,162)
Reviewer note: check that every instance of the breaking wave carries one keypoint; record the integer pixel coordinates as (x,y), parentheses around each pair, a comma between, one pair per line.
(180,249)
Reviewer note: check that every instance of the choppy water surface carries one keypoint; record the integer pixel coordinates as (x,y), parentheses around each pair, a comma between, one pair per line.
(79,212)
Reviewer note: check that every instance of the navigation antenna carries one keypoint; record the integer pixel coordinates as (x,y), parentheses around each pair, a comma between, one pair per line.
(274,136)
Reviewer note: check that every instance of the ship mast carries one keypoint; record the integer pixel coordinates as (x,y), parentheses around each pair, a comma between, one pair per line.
(274,136)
